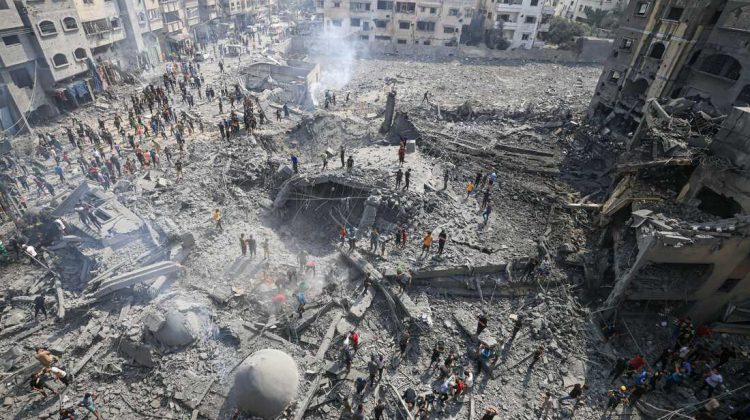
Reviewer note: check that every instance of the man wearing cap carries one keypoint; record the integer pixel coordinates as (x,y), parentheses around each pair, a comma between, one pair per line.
(616,397)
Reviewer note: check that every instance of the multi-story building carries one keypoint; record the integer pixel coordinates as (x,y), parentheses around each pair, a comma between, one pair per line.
(143,23)
(522,21)
(672,49)
(576,9)
(437,22)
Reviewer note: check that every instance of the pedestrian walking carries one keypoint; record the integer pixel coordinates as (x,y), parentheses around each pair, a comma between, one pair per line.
(243,244)
(217,218)
(426,244)
(442,239)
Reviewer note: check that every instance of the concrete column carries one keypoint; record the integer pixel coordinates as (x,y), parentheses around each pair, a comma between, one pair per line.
(390,108)
(370,213)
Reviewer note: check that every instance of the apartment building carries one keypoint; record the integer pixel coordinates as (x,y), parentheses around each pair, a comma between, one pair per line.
(672,49)
(522,21)
(438,22)
(576,9)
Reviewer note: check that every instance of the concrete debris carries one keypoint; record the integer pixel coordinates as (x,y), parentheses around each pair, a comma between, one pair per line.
(265,383)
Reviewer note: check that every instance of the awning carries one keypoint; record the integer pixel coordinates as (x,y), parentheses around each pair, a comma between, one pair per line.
(177,37)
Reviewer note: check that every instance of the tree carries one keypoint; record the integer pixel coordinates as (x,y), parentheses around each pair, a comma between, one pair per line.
(562,32)
(595,16)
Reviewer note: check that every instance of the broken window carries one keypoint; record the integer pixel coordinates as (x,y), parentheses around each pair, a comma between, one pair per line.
(674,13)
(47,27)
(722,65)
(534,3)
(668,281)
(21,78)
(97,26)
(743,99)
(657,50)
(380,23)
(626,44)
(402,7)
(614,76)
(79,54)
(530,19)
(401,41)
(448,29)
(504,18)
(717,204)
(385,5)
(59,60)
(433,10)
(728,285)
(426,26)
(11,40)
(453,12)
(641,9)
(69,24)
(525,37)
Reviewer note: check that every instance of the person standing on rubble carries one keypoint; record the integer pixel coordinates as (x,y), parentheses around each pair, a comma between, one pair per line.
(374,237)
(485,198)
(342,152)
(401,154)
(426,244)
(442,239)
(407,178)
(350,163)
(217,218)
(516,328)
(39,306)
(87,403)
(266,249)
(60,375)
(302,259)
(243,244)
(469,189)
(399,177)
(44,357)
(481,323)
(324,155)
(403,343)
(378,410)
(295,163)
(38,383)
(252,246)
(486,213)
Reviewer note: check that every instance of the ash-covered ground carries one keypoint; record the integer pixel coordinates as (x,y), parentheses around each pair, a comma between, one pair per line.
(170,347)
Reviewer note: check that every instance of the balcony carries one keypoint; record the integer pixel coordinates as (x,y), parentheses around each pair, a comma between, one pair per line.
(207,3)
(172,27)
(548,10)
(105,38)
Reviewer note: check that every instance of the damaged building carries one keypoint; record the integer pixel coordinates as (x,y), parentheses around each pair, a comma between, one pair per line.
(673,49)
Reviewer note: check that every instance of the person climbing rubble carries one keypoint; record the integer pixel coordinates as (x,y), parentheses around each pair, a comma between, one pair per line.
(38,383)
(88,404)
(442,239)
(426,244)
(407,178)
(59,375)
(469,189)
(39,306)
(350,163)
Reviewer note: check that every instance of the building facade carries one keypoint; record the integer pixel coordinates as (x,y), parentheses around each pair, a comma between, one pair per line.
(398,22)
(522,21)
(676,48)
(576,9)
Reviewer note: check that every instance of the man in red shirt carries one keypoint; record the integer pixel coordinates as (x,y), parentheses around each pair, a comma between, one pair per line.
(635,364)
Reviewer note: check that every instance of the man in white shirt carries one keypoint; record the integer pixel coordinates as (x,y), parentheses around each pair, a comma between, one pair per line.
(712,381)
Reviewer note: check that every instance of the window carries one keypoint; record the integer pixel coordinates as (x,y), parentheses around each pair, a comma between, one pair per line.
(722,65)
(525,37)
(504,18)
(79,54)
(728,285)
(426,26)
(364,37)
(641,9)
(336,4)
(359,7)
(3,4)
(69,24)
(21,78)
(115,23)
(614,76)
(401,41)
(534,2)
(153,14)
(402,7)
(385,5)
(452,12)
(380,23)
(319,4)
(426,43)
(674,13)
(530,19)
(47,27)
(657,51)
(448,29)
(402,24)
(382,38)
(626,44)
(59,60)
(354,22)
(336,23)
(433,10)
(743,99)
(11,40)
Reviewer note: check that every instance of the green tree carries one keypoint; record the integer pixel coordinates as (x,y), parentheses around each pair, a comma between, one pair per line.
(595,16)
(562,32)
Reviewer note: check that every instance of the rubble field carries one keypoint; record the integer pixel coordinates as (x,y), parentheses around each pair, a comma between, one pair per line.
(162,316)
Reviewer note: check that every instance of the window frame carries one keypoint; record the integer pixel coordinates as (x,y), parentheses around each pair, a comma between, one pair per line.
(59,66)
(75,57)
(41,31)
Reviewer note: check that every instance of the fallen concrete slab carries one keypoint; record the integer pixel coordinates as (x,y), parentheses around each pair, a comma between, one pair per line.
(140,275)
